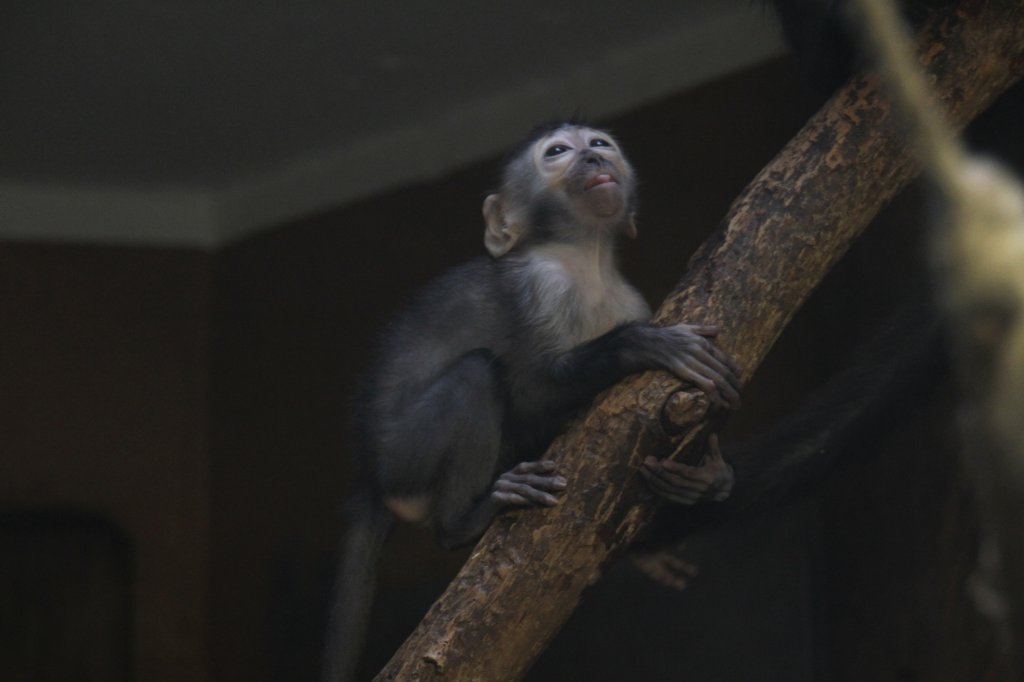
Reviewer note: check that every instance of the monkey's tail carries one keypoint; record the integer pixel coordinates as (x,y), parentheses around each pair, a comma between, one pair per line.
(899,367)
(368,525)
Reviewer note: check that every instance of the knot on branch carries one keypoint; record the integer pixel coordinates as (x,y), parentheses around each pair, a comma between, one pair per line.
(683,410)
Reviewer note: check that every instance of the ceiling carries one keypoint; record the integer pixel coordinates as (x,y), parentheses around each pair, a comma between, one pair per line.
(181,122)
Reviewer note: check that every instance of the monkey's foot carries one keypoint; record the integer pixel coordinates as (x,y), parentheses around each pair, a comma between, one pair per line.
(711,481)
(529,484)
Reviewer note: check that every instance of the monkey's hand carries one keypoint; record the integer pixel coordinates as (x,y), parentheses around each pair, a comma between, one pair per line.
(711,480)
(528,484)
(689,352)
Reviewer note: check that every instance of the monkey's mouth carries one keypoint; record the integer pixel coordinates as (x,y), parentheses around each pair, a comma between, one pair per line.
(598,180)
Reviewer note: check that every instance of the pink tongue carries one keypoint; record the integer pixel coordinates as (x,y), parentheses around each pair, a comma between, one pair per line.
(599,180)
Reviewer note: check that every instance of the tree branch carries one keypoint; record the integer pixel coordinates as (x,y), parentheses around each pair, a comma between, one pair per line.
(781,236)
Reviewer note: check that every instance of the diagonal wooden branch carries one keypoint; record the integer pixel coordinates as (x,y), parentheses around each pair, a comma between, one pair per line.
(786,230)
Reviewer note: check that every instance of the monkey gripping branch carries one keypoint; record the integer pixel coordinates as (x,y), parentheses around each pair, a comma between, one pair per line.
(781,236)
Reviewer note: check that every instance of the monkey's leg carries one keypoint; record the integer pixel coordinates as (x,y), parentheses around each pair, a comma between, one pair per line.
(469,495)
(453,449)
(464,517)
(474,408)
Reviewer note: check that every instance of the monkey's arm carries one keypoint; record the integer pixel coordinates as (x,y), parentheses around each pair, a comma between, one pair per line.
(555,385)
(688,351)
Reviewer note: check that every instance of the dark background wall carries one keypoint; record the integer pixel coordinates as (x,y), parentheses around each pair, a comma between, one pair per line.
(104,380)
(198,403)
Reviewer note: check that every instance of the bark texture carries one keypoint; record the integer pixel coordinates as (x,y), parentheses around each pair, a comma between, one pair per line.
(781,236)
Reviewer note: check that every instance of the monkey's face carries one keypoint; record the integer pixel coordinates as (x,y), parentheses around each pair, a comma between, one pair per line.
(585,166)
(570,184)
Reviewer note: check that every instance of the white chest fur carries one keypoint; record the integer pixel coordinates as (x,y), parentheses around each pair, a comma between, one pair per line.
(579,293)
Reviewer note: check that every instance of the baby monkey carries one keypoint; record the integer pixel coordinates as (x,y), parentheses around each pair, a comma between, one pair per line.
(476,377)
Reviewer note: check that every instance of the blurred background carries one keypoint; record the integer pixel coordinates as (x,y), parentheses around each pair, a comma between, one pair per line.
(207,210)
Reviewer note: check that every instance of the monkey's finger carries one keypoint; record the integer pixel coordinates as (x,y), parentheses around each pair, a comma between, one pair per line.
(707,330)
(679,485)
(531,494)
(708,354)
(718,352)
(693,478)
(538,467)
(714,477)
(556,483)
(509,499)
(706,364)
(690,479)
(668,492)
(678,565)
(721,373)
(689,375)
(729,360)
(700,378)
(728,385)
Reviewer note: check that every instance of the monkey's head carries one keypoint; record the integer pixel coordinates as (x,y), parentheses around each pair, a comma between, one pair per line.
(568,183)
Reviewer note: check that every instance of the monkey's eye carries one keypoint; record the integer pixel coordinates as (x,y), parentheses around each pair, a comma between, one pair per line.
(555,150)
(600,142)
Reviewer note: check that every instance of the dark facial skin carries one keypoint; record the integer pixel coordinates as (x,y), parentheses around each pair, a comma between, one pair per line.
(586,166)
(595,181)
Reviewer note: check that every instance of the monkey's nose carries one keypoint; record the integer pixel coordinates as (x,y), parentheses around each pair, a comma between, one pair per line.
(591,157)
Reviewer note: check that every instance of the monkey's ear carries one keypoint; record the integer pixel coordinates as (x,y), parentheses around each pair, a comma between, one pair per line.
(631,225)
(499,234)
